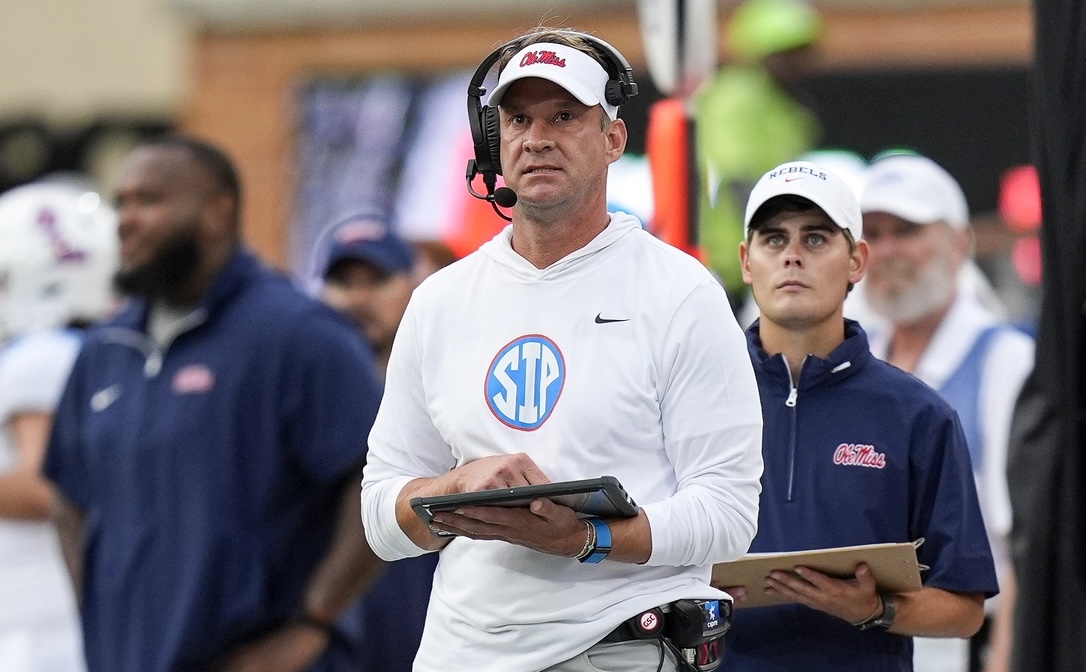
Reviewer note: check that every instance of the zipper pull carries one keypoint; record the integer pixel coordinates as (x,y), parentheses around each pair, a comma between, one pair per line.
(791,401)
(153,365)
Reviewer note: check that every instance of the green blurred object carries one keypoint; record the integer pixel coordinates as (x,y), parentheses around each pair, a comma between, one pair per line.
(759,28)
(748,121)
(747,124)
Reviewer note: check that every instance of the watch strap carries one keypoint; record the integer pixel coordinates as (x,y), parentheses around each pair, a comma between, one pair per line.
(884,620)
(601,545)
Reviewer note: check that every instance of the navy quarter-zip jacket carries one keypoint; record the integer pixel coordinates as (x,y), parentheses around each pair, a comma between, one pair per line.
(856,452)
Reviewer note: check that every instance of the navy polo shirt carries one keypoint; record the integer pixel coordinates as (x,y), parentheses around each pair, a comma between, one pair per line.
(210,472)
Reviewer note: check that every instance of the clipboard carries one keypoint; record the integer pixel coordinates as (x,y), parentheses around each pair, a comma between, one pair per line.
(893,565)
(603,497)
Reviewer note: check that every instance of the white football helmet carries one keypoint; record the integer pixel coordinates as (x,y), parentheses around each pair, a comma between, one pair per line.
(58,253)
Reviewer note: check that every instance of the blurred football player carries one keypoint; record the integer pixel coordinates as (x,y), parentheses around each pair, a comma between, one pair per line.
(58,253)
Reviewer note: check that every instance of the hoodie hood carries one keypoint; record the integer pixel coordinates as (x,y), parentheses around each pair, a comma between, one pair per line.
(500,249)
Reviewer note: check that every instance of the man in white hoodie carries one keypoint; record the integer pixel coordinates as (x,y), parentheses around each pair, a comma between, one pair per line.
(573,345)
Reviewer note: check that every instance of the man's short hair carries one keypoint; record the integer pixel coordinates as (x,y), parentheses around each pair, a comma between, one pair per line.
(213,160)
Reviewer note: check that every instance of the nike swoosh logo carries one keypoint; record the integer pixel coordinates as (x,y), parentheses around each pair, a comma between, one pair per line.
(104,398)
(605,320)
(792,179)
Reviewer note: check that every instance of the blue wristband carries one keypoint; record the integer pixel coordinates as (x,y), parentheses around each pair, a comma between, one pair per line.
(603,542)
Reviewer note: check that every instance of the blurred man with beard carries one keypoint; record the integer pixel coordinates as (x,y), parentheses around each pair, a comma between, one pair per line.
(209,443)
(916,222)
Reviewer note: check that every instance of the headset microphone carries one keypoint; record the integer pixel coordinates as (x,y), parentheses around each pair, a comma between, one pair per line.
(500,196)
(505,197)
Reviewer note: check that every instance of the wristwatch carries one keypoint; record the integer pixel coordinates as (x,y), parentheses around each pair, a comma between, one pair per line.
(600,544)
(889,611)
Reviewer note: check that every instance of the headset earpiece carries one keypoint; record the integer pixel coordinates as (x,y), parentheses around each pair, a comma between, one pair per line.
(491,129)
(483,120)
(614,93)
(621,85)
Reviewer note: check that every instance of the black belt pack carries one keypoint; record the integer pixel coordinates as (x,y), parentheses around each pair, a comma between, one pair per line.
(694,628)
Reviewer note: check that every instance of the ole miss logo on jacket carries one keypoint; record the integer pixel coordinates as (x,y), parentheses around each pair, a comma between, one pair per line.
(859,455)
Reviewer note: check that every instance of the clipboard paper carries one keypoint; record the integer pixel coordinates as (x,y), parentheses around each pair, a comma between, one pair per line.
(893,565)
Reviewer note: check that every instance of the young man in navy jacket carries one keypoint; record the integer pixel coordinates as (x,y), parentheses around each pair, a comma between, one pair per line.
(855,450)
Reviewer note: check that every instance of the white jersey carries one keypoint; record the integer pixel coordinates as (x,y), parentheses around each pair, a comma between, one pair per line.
(39,624)
(1008,362)
(621,359)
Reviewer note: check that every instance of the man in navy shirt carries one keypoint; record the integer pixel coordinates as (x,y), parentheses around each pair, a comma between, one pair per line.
(206,443)
(856,452)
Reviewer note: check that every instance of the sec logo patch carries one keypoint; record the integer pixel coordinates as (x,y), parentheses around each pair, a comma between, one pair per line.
(524,382)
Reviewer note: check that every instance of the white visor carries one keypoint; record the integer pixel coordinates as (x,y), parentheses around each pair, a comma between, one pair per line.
(572,69)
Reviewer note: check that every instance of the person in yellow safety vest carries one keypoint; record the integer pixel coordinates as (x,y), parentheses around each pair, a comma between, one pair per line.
(749,120)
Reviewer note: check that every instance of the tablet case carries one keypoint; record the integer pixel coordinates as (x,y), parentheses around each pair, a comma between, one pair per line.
(603,497)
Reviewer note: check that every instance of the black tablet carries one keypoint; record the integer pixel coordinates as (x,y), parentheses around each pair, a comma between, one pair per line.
(603,497)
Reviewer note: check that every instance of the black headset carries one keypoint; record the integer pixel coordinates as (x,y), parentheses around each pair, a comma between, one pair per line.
(484,120)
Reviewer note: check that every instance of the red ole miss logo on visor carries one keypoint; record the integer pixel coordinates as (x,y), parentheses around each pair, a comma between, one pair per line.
(542,57)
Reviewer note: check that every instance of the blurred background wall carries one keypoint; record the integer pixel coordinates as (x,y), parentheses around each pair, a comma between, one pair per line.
(83,80)
(79,79)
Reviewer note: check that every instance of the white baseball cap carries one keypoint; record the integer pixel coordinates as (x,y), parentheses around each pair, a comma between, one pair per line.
(916,189)
(816,184)
(572,69)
